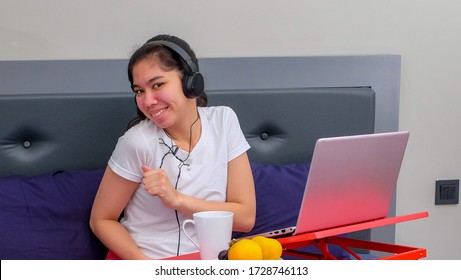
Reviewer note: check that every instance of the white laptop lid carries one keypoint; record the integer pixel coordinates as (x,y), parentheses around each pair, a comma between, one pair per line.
(352,179)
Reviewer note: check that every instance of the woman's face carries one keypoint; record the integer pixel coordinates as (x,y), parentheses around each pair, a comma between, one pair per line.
(159,93)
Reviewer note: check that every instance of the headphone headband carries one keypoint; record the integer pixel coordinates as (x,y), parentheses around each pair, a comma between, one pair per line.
(180,51)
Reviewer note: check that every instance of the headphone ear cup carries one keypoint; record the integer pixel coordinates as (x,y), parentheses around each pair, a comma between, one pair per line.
(193,85)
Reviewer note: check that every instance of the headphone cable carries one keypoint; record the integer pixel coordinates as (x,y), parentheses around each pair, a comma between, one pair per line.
(173,149)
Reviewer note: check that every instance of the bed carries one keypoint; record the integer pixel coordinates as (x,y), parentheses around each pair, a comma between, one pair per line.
(54,147)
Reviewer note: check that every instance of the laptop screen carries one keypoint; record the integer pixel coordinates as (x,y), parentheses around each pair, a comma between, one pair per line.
(352,179)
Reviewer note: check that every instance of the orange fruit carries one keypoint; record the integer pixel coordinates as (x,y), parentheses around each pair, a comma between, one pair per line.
(245,249)
(272,249)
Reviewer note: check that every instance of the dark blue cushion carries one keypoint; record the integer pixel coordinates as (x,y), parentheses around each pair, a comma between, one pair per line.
(47,216)
(279,190)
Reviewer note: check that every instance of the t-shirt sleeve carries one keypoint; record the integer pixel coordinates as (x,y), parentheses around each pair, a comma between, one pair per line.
(237,143)
(128,156)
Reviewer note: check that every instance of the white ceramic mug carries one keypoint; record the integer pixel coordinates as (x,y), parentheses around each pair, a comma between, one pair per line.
(214,232)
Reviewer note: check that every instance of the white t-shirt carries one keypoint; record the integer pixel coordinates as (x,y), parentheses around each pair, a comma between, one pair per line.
(153,226)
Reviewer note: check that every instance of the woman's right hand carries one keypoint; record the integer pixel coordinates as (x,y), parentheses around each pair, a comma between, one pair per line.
(157,183)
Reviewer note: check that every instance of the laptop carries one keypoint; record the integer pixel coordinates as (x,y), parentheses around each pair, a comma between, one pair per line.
(352,179)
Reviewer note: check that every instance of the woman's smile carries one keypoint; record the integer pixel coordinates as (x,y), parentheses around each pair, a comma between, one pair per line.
(159,112)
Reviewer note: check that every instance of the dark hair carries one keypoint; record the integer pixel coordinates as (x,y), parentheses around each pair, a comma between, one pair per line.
(168,59)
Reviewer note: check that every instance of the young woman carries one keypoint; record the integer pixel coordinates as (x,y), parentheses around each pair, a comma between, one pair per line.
(177,158)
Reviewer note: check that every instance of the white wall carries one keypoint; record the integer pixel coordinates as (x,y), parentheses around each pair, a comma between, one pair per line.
(425,33)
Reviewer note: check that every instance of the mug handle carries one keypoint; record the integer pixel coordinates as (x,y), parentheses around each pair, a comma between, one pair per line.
(185,232)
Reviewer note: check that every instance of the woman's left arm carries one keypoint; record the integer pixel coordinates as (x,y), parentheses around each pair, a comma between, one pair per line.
(241,193)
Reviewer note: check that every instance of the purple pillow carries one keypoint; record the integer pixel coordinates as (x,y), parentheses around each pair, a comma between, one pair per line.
(279,191)
(47,216)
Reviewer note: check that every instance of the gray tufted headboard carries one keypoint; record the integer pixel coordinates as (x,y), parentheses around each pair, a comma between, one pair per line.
(41,133)
(282,125)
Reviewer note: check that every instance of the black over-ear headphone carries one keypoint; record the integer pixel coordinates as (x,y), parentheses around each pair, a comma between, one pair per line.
(192,83)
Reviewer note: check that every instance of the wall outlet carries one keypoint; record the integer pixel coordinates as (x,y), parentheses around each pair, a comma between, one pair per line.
(446,192)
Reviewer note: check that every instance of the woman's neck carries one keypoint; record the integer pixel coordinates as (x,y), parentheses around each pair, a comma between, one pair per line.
(186,136)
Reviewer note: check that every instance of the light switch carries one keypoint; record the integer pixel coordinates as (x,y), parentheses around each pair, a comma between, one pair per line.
(446,192)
